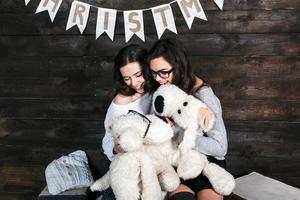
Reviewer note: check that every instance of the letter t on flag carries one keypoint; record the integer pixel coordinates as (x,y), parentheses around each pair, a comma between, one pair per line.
(191,9)
(79,15)
(26,2)
(163,19)
(106,21)
(51,5)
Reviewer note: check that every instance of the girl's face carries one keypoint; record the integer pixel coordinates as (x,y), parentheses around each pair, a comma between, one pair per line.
(162,71)
(133,76)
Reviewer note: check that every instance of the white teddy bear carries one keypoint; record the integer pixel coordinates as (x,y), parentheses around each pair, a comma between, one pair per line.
(132,175)
(156,135)
(170,101)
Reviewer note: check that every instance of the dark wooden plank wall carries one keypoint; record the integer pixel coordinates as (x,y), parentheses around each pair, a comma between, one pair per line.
(55,85)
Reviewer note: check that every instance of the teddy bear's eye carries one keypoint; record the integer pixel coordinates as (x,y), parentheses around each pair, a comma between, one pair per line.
(185,103)
(179,111)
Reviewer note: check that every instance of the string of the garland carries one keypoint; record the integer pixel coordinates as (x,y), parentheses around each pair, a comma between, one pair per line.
(127,10)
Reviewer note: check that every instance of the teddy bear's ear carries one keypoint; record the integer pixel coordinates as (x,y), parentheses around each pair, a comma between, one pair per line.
(159,104)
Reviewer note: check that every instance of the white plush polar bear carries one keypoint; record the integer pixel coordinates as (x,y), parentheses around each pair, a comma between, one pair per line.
(132,174)
(164,154)
(170,101)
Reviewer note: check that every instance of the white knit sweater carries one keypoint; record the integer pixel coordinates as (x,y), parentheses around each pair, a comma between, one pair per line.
(141,105)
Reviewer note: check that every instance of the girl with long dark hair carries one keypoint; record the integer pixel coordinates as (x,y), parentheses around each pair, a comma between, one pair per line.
(168,63)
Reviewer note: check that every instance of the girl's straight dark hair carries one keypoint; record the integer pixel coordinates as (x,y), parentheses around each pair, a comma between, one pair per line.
(128,54)
(172,51)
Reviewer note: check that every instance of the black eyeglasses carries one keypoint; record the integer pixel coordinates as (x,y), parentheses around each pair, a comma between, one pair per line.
(144,117)
(162,73)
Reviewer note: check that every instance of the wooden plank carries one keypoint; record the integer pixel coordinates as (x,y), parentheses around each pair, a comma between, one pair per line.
(268,131)
(282,169)
(83,67)
(52,128)
(253,21)
(237,131)
(43,152)
(19,6)
(57,87)
(212,68)
(88,108)
(265,146)
(262,110)
(93,108)
(264,67)
(204,44)
(239,87)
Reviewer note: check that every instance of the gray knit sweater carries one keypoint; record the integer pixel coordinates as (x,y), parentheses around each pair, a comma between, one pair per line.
(215,144)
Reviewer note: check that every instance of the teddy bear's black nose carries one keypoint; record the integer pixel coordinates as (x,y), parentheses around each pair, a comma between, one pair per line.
(159,104)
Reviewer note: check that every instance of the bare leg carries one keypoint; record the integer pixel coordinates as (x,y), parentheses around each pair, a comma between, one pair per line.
(208,194)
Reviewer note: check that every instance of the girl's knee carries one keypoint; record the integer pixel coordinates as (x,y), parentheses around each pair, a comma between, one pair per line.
(209,194)
(182,192)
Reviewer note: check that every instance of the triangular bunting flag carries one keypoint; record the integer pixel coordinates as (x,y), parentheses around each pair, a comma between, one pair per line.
(51,5)
(219,3)
(191,9)
(106,21)
(79,15)
(26,2)
(134,24)
(163,19)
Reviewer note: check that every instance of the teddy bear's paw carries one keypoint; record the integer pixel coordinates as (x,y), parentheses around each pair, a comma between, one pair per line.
(95,187)
(185,146)
(221,180)
(191,164)
(169,181)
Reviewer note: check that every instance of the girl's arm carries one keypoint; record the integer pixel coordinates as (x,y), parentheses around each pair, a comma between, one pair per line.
(215,143)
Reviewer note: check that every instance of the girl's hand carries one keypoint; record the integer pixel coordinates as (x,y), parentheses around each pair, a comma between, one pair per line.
(205,115)
(170,122)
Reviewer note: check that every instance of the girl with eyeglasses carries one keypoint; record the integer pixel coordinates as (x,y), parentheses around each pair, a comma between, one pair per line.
(167,63)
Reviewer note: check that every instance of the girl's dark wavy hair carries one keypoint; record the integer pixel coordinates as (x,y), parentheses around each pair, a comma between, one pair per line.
(128,54)
(172,51)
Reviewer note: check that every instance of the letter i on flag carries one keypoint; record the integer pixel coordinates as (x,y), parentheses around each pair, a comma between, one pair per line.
(219,3)
(79,15)
(134,24)
(51,5)
(106,21)
(26,2)
(163,19)
(191,9)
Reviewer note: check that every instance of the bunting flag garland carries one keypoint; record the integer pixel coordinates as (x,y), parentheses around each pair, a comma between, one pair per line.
(163,19)
(134,24)
(106,21)
(191,9)
(79,15)
(26,2)
(51,5)
(133,19)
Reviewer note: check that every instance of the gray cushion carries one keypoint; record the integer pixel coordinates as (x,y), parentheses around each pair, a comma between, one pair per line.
(68,172)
